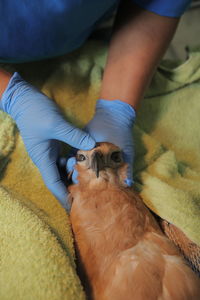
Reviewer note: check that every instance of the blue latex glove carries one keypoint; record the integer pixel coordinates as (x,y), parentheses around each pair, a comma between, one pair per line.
(42,126)
(113,122)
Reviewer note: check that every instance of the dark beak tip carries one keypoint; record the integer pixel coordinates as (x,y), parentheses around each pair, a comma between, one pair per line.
(97,163)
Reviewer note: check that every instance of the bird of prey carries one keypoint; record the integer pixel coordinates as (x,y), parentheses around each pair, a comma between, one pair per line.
(122,253)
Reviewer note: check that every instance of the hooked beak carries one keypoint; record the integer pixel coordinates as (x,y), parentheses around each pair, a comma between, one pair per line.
(97,163)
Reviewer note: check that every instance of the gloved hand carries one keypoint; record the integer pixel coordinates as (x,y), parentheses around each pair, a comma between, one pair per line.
(113,122)
(42,127)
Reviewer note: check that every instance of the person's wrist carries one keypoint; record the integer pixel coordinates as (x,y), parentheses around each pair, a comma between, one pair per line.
(123,111)
(16,86)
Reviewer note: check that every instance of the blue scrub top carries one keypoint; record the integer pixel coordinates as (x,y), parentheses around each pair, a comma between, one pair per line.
(38,29)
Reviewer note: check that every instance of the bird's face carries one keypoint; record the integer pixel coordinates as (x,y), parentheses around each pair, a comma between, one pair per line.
(103,157)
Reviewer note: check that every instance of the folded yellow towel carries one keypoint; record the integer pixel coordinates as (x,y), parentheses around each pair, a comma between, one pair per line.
(36,249)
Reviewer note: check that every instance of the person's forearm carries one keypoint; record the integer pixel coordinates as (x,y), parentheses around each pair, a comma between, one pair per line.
(139,41)
(4,80)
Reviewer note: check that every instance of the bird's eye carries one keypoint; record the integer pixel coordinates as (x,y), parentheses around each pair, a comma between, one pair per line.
(80,157)
(116,156)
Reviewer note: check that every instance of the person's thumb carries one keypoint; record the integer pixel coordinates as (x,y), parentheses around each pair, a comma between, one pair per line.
(70,167)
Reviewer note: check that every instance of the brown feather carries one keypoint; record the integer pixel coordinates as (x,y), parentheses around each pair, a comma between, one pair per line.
(122,253)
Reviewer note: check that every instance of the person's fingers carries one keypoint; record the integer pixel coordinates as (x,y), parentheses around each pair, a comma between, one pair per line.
(73,136)
(71,162)
(129,180)
(128,158)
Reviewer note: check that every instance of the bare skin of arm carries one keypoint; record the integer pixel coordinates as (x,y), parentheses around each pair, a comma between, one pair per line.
(138,43)
(4,79)
(139,40)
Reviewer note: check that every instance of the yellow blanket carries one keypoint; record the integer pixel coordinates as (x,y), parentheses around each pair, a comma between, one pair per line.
(36,248)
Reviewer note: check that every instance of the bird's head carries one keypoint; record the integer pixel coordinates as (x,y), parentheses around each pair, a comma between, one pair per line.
(105,161)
